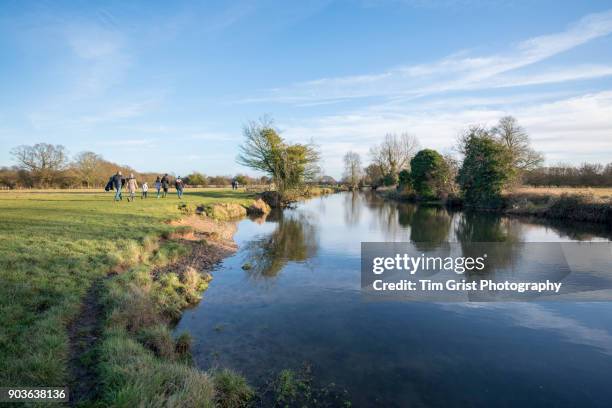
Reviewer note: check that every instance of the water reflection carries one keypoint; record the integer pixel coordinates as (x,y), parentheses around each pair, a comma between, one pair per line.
(400,353)
(405,212)
(570,230)
(430,227)
(537,316)
(487,227)
(296,233)
(391,220)
(294,239)
(352,207)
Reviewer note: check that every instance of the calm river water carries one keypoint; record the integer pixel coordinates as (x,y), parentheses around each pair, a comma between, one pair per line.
(300,304)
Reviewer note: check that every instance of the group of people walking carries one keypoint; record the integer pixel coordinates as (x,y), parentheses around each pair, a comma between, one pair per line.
(162,184)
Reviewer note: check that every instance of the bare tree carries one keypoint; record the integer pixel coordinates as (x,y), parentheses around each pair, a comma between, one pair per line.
(42,160)
(563,174)
(88,165)
(453,168)
(352,168)
(373,175)
(516,139)
(394,153)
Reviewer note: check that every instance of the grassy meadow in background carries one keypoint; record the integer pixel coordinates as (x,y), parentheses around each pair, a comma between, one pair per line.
(597,192)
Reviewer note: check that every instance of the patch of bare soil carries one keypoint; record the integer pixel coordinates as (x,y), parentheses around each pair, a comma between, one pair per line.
(208,228)
(83,333)
(202,257)
(210,242)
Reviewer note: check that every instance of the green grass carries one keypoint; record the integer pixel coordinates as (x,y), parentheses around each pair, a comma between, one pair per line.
(53,245)
(232,390)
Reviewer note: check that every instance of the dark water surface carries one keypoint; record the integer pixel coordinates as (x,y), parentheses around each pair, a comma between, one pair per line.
(300,304)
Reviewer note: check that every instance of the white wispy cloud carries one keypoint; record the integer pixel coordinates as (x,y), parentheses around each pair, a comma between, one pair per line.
(434,4)
(555,75)
(459,71)
(95,62)
(438,100)
(81,118)
(128,142)
(231,15)
(558,126)
(100,58)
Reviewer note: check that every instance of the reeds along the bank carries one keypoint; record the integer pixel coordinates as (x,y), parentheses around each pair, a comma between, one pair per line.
(576,207)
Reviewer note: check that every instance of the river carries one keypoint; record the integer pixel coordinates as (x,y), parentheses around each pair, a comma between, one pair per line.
(300,304)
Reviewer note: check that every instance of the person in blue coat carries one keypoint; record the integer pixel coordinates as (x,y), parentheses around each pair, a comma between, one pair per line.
(179,184)
(117,184)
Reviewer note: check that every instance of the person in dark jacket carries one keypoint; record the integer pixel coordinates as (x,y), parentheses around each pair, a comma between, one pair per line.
(109,185)
(165,183)
(118,182)
(178,184)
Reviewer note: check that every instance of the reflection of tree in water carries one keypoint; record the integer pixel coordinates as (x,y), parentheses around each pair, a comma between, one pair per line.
(508,235)
(573,230)
(275,215)
(352,208)
(430,227)
(502,234)
(428,224)
(373,201)
(487,227)
(405,212)
(294,239)
(386,214)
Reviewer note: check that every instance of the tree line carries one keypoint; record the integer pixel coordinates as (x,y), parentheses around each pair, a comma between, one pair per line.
(50,166)
(502,154)
(490,159)
(565,175)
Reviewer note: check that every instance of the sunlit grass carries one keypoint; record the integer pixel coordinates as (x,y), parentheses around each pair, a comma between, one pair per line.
(53,245)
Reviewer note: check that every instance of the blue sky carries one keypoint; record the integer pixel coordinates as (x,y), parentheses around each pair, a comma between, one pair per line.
(167,86)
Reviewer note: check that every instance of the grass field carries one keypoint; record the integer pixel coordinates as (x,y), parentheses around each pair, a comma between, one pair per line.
(597,192)
(53,245)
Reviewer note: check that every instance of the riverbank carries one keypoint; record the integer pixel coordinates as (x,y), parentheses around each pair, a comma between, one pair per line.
(579,204)
(91,288)
(139,359)
(273,199)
